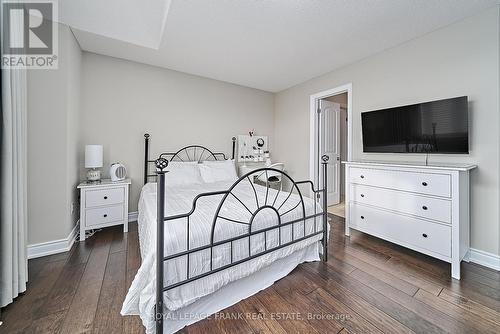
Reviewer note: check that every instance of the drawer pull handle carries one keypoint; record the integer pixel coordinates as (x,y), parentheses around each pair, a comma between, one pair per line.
(424,235)
(362,217)
(105,197)
(424,184)
(424,207)
(105,215)
(362,195)
(362,176)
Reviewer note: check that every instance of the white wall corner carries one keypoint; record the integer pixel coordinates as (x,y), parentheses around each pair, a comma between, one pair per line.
(53,247)
(484,258)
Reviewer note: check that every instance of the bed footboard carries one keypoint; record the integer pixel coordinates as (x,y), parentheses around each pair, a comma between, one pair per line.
(230,196)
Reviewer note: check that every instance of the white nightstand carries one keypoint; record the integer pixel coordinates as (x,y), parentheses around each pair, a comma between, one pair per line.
(250,166)
(103,204)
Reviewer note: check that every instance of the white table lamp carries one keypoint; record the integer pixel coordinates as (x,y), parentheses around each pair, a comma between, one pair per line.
(93,160)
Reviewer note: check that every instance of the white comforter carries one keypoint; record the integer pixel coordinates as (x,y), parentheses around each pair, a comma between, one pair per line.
(140,298)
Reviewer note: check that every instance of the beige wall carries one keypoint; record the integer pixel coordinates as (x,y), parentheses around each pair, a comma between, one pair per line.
(121,100)
(461,59)
(53,106)
(339,98)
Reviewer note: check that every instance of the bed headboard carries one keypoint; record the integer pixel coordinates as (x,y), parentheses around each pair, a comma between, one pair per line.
(189,153)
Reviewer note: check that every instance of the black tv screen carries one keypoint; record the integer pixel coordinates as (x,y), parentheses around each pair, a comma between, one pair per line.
(430,127)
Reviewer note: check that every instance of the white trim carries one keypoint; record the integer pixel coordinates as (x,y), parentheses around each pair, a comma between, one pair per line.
(62,245)
(132,216)
(483,258)
(347,88)
(53,247)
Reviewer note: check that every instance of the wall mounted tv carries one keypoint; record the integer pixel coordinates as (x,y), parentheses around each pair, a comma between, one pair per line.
(430,127)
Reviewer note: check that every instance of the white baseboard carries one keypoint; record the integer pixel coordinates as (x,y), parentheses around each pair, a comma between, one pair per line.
(484,258)
(53,247)
(62,245)
(132,216)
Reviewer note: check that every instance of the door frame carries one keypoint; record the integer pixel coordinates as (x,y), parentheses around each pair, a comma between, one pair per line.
(347,88)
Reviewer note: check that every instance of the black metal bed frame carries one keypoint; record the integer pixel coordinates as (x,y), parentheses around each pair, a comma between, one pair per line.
(201,153)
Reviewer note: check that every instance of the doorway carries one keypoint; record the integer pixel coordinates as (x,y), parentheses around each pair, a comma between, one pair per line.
(331,136)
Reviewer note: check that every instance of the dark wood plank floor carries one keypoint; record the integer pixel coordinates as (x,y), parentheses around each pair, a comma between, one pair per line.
(367,286)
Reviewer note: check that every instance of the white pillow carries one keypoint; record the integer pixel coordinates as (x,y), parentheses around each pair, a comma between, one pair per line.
(183,173)
(216,171)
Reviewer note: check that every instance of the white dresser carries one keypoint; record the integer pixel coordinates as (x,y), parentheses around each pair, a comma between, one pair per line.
(103,204)
(422,207)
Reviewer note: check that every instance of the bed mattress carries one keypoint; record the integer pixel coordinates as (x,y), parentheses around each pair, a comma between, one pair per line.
(242,207)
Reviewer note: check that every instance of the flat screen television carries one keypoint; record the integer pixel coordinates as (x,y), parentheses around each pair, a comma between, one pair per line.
(430,127)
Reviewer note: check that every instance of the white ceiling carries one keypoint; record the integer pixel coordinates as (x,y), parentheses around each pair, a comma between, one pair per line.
(136,22)
(265,44)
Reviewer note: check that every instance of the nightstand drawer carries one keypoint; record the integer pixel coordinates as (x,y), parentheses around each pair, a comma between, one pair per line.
(103,215)
(103,197)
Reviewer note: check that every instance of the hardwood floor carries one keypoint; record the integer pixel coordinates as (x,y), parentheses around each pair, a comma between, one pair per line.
(367,286)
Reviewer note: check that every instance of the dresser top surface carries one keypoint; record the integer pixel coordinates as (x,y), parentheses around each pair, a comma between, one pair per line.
(104,183)
(434,165)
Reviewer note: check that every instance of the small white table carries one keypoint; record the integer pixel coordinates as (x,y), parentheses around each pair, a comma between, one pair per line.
(250,166)
(103,204)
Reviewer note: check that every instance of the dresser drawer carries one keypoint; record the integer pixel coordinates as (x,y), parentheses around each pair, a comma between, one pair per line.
(424,183)
(414,204)
(102,197)
(104,215)
(409,232)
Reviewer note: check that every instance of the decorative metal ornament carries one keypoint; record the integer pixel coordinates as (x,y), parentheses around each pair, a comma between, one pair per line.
(260,142)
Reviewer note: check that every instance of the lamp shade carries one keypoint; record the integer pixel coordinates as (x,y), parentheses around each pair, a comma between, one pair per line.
(93,156)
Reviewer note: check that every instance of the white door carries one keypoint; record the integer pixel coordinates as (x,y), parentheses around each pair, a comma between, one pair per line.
(329,144)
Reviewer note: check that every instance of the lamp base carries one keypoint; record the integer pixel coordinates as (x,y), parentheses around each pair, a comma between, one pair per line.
(93,176)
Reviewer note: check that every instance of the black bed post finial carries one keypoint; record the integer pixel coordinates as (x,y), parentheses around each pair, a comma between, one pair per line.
(160,164)
(234,147)
(146,156)
(325,159)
